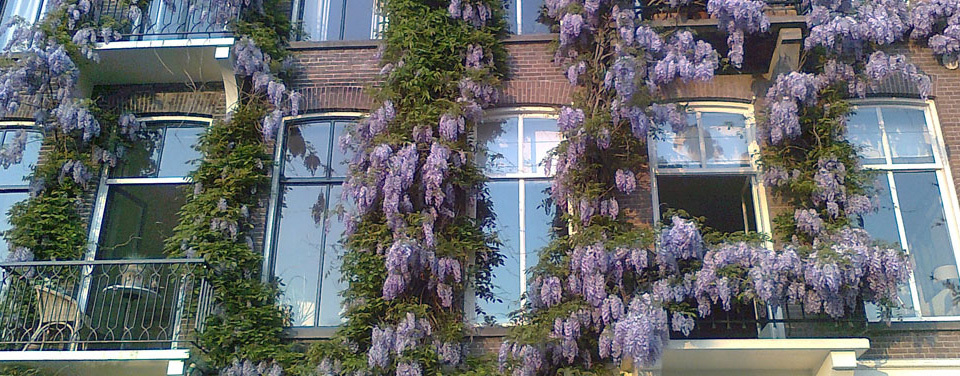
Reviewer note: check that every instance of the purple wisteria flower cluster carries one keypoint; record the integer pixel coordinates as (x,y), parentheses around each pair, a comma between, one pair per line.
(248,368)
(475,13)
(12,152)
(737,17)
(253,63)
(634,320)
(391,342)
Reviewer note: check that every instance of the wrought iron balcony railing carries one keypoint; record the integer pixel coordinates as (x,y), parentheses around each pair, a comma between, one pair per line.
(788,321)
(102,305)
(650,9)
(166,19)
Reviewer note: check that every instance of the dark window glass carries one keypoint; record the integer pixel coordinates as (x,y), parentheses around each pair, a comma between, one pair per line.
(726,202)
(138,220)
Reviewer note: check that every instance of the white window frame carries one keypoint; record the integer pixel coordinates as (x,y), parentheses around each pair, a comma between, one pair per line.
(758,190)
(948,193)
(520,113)
(100,205)
(377,20)
(277,182)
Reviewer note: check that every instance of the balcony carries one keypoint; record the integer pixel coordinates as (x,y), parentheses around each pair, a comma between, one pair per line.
(654,9)
(101,305)
(164,19)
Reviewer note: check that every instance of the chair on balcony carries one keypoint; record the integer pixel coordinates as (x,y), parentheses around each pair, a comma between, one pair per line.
(57,312)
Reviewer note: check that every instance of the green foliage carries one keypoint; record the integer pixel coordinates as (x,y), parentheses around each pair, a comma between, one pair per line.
(17,370)
(232,175)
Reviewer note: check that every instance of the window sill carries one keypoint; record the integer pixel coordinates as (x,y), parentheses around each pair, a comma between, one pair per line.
(907,326)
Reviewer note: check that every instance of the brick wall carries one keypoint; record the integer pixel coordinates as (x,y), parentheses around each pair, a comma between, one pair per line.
(206,99)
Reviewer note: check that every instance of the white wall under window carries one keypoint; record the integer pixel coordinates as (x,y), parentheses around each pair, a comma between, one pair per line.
(513,146)
(915,200)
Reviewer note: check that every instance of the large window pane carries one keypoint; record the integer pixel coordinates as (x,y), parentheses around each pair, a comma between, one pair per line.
(331,286)
(882,226)
(539,220)
(26,9)
(163,152)
(16,173)
(681,150)
(138,220)
(908,134)
(539,137)
(299,252)
(308,150)
(530,13)
(6,202)
(863,130)
(928,240)
(725,139)
(337,19)
(505,196)
(339,158)
(511,15)
(500,146)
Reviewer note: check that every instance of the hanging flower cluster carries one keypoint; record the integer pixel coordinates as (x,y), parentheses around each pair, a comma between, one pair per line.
(413,240)
(611,290)
(253,63)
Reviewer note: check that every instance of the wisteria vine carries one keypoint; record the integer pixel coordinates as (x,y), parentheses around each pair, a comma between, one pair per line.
(610,291)
(419,229)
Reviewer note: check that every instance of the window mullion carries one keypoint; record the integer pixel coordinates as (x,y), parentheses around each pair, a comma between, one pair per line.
(884,140)
(523,237)
(700,140)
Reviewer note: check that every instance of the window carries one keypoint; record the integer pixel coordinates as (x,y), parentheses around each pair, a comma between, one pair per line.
(522,17)
(916,208)
(307,229)
(29,10)
(512,149)
(325,20)
(13,179)
(146,189)
(713,151)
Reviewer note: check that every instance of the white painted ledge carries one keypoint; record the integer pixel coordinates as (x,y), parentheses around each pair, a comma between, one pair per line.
(104,355)
(166,43)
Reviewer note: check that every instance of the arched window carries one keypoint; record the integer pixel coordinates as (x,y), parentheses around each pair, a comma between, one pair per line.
(303,238)
(915,201)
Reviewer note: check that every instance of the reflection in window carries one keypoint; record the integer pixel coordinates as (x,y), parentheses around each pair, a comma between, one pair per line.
(713,139)
(325,20)
(141,210)
(513,150)
(28,10)
(891,135)
(522,17)
(165,150)
(13,179)
(308,229)
(910,205)
(139,219)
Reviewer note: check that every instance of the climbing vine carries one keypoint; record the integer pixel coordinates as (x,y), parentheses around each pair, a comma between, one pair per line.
(420,232)
(609,292)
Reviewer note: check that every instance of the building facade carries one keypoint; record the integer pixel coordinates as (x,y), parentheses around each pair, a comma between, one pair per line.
(135,311)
